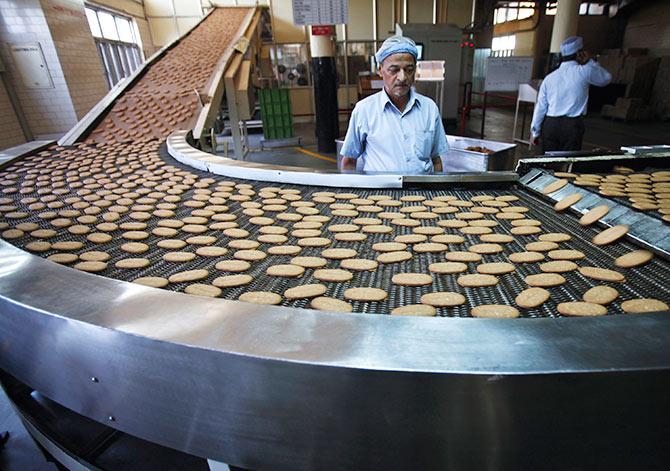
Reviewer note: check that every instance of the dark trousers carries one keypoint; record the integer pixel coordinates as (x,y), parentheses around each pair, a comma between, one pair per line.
(562,133)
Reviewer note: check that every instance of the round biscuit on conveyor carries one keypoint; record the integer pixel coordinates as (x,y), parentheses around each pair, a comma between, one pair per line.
(568,201)
(234,266)
(541,246)
(461,256)
(243,244)
(305,291)
(324,303)
(412,238)
(601,295)
(554,186)
(642,305)
(130,263)
(309,262)
(63,258)
(566,254)
(544,280)
(359,264)
(601,274)
(38,246)
(389,246)
(394,257)
(284,250)
(424,310)
(477,280)
(314,242)
(525,230)
(634,259)
(365,294)
(152,281)
(232,281)
(495,268)
(494,311)
(67,245)
(581,308)
(555,237)
(200,289)
(179,257)
(171,244)
(532,297)
(249,255)
(95,256)
(610,235)
(211,251)
(446,239)
(447,268)
(334,275)
(558,266)
(91,266)
(485,248)
(260,297)
(443,299)
(285,270)
(429,247)
(412,279)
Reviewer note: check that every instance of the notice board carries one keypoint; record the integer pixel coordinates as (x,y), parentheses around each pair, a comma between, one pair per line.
(320,12)
(504,74)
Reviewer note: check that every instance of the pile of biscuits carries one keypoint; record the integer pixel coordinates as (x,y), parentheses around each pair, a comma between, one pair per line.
(167,97)
(643,191)
(121,210)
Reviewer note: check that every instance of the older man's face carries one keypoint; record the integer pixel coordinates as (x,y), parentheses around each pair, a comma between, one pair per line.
(398,71)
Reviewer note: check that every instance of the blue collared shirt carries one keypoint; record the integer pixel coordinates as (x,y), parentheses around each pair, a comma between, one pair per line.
(565,91)
(392,141)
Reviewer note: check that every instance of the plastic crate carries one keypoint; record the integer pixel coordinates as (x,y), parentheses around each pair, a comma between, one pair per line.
(276,113)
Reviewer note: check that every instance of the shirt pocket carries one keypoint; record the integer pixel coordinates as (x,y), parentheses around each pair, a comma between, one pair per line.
(423,144)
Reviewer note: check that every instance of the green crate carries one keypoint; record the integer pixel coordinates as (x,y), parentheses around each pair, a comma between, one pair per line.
(276,113)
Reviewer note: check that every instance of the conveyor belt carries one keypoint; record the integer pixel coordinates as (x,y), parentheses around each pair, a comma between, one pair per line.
(99,167)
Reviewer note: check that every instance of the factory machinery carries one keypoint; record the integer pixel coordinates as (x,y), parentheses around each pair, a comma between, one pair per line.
(128,253)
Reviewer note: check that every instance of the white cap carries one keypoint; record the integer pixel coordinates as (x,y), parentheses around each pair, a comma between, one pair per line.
(572,45)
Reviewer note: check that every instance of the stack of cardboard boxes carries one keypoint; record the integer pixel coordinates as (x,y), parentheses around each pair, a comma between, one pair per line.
(635,69)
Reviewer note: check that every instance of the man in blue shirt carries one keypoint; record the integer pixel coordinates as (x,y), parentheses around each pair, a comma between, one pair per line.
(564,93)
(396,129)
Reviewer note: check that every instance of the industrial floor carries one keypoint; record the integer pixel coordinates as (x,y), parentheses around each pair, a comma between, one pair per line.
(21,453)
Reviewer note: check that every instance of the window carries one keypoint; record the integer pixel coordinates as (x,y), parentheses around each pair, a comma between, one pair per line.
(513,11)
(503,46)
(291,65)
(117,40)
(585,8)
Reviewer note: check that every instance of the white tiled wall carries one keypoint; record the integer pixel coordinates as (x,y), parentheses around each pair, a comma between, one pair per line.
(79,58)
(10,129)
(48,111)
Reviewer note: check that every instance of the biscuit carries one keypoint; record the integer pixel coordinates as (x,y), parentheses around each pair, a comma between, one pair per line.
(249,255)
(485,248)
(389,246)
(201,240)
(525,230)
(272,238)
(495,311)
(558,266)
(581,308)
(231,281)
(476,230)
(610,235)
(91,266)
(446,268)
(365,294)
(554,186)
(99,238)
(179,257)
(495,268)
(38,246)
(233,265)
(446,239)
(243,244)
(63,258)
(171,244)
(131,235)
(94,256)
(452,223)
(634,259)
(601,295)
(211,251)
(324,303)
(429,247)
(314,242)
(334,275)
(284,250)
(189,275)
(443,299)
(377,229)
(497,238)
(566,255)
(541,246)
(459,256)
(601,274)
(594,214)
(164,232)
(233,232)
(544,280)
(67,245)
(525,257)
(412,279)
(412,238)
(309,262)
(477,280)
(132,263)
(350,236)
(642,305)
(43,233)
(414,310)
(394,257)
(305,291)
(152,281)
(568,201)
(343,228)
(532,297)
(359,264)
(526,222)
(555,237)
(260,297)
(285,270)
(199,289)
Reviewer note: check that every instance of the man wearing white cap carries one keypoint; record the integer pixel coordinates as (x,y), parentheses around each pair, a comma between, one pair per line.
(564,93)
(396,129)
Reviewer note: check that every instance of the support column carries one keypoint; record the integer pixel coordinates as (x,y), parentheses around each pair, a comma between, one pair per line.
(565,25)
(324,75)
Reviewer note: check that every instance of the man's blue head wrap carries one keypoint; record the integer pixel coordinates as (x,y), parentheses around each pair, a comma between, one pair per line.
(396,45)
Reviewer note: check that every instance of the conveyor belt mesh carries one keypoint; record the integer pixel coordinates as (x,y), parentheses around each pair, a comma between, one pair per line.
(650,280)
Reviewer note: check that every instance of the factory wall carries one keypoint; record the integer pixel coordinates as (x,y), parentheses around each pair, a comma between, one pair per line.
(135,10)
(169,19)
(10,129)
(49,110)
(648,27)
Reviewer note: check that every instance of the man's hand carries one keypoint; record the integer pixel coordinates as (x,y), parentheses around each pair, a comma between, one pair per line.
(437,164)
(348,163)
(535,140)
